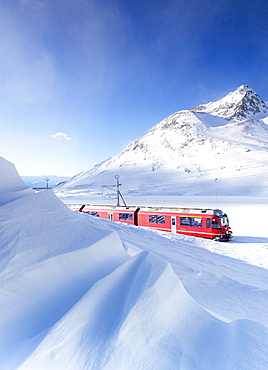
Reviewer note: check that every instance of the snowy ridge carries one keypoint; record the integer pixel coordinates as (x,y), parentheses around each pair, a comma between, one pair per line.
(78,292)
(11,184)
(240,104)
(192,152)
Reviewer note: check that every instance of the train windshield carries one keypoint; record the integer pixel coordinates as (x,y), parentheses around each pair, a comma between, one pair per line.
(222,217)
(224,220)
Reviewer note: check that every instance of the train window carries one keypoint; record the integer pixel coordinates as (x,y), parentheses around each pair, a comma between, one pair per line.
(161,219)
(208,223)
(157,219)
(125,216)
(128,217)
(93,213)
(191,221)
(185,221)
(152,219)
(224,220)
(196,222)
(215,224)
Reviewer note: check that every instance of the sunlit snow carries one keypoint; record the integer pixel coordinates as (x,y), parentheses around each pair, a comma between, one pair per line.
(219,148)
(79,292)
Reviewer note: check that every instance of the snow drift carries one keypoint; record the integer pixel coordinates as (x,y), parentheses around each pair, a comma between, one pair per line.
(78,293)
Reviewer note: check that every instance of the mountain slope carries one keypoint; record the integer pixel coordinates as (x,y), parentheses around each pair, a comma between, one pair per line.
(223,144)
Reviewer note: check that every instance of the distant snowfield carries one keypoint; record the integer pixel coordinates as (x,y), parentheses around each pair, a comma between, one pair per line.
(78,292)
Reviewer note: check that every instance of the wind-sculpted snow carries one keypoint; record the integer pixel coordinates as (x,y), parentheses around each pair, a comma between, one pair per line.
(141,317)
(11,185)
(82,293)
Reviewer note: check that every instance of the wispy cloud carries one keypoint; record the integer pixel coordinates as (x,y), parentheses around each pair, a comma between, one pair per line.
(60,135)
(27,68)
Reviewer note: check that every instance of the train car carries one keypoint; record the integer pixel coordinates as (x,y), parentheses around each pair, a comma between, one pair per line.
(206,223)
(119,214)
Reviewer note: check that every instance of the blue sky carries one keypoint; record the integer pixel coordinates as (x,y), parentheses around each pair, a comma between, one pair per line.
(82,79)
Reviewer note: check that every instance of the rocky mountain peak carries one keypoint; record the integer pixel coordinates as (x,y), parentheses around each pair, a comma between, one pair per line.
(194,150)
(243,103)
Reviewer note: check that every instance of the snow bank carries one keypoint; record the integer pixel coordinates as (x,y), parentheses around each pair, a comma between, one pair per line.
(11,185)
(73,298)
(140,317)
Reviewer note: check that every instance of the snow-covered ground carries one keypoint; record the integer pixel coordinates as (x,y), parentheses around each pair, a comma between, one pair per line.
(78,292)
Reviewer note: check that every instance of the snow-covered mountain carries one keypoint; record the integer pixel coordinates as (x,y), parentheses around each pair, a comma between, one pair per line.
(240,104)
(219,147)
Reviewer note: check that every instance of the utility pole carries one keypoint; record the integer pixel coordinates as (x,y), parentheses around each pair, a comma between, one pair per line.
(117,189)
(47,180)
(119,195)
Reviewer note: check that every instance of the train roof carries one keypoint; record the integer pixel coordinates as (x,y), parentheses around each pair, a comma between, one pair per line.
(207,211)
(104,207)
(181,210)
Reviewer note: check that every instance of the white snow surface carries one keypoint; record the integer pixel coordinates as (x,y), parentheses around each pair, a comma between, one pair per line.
(78,292)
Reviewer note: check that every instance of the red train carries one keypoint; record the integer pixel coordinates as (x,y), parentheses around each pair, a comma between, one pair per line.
(205,223)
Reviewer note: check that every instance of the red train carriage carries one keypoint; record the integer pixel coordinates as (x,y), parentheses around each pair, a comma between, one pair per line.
(119,214)
(206,223)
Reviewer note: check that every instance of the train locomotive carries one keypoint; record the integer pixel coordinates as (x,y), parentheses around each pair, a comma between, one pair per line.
(199,222)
